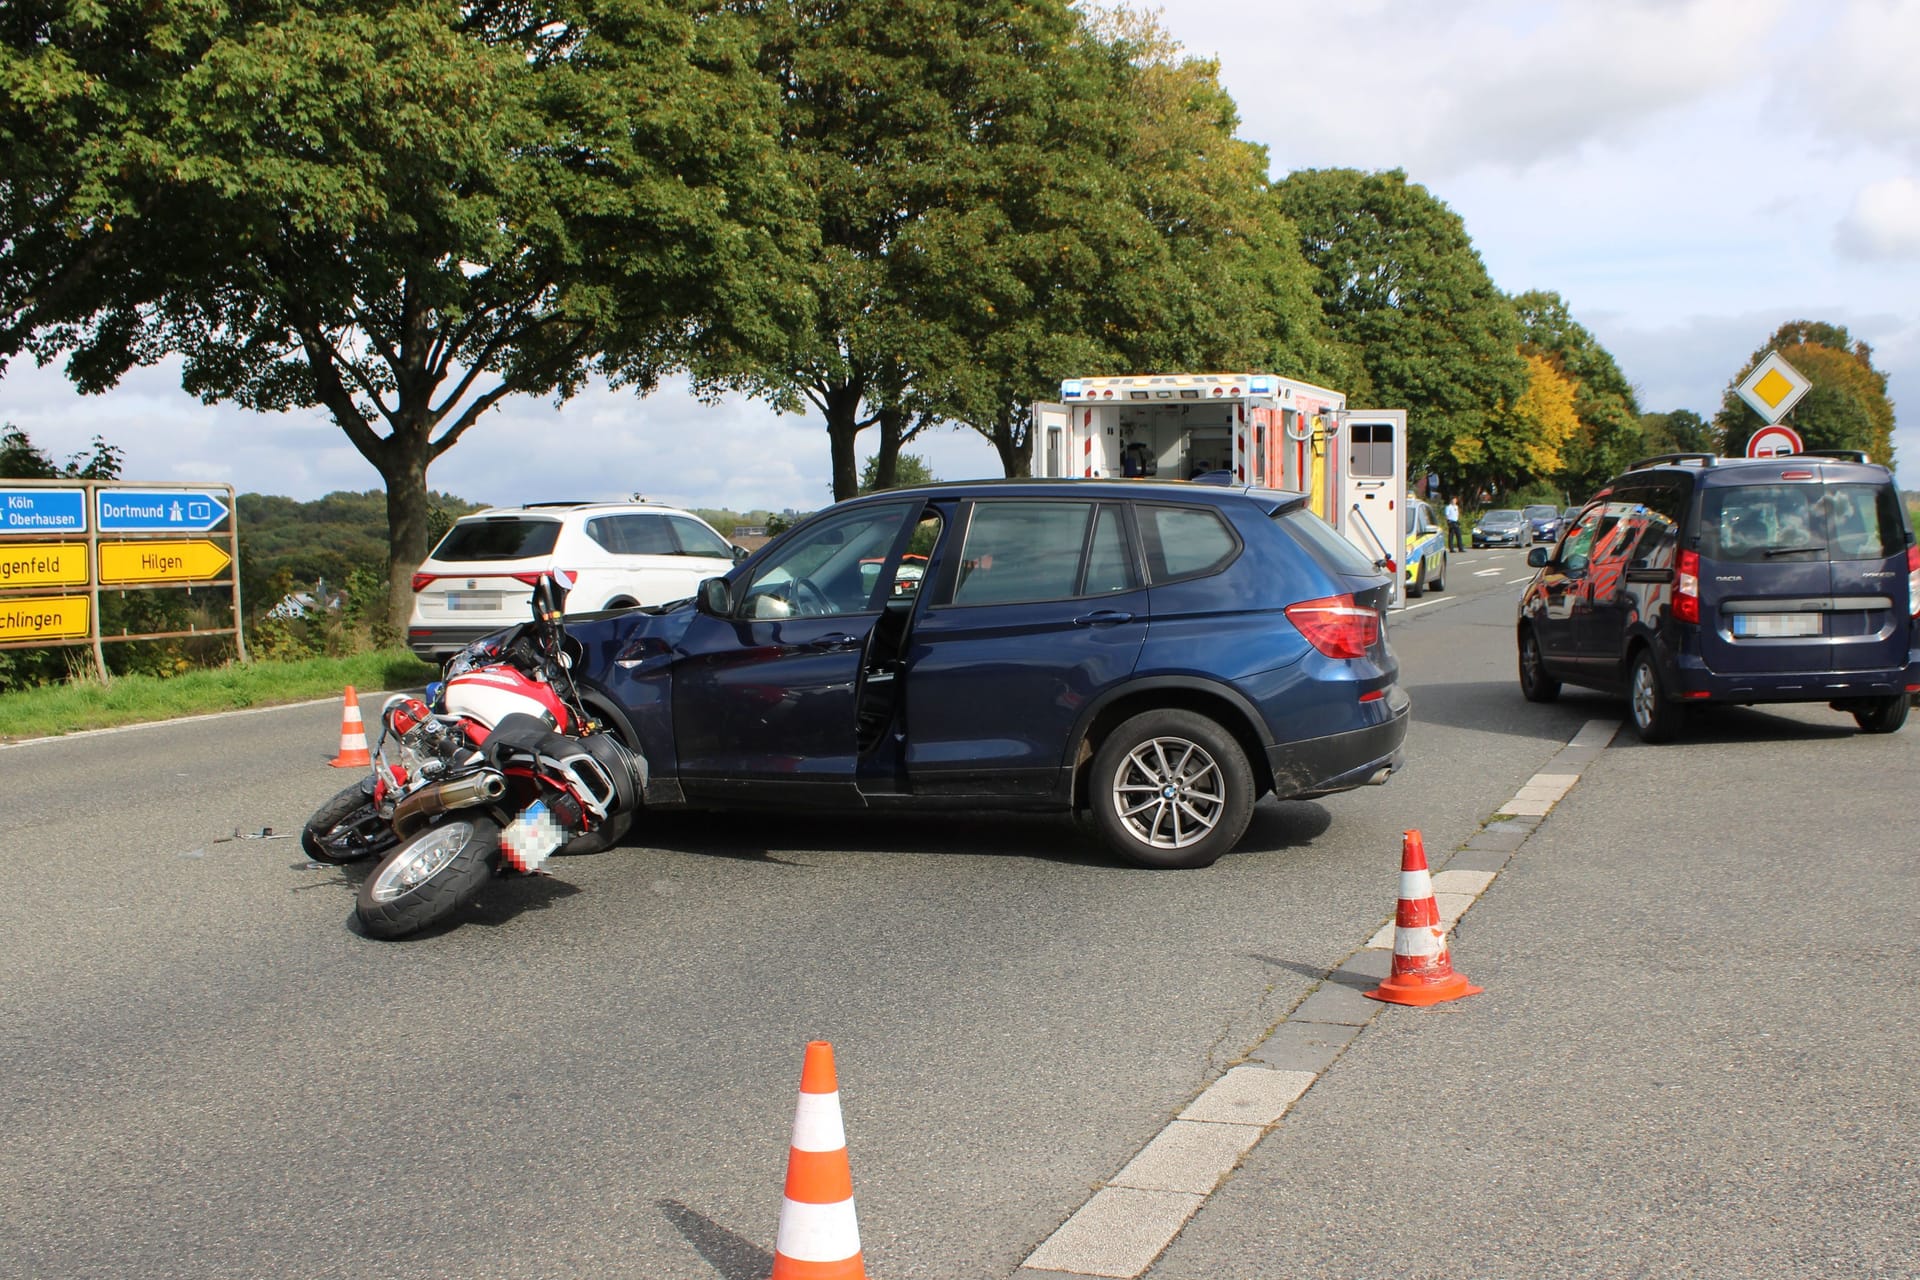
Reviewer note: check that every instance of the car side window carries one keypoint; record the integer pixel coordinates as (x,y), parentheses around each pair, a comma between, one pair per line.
(696,539)
(1185,542)
(1017,552)
(818,570)
(635,535)
(1109,563)
(1576,549)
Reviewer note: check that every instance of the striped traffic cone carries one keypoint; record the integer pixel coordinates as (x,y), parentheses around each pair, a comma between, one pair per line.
(353,737)
(1422,972)
(819,1239)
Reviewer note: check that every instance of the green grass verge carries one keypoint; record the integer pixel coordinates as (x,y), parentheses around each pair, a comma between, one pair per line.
(57,709)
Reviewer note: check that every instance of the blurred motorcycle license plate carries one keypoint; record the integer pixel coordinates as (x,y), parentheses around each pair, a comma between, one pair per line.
(531,838)
(1776,624)
(457,600)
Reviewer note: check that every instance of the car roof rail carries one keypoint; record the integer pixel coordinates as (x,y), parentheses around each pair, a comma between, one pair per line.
(1839,455)
(1704,459)
(560,502)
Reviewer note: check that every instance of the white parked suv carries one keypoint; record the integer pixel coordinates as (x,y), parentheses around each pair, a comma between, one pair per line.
(480,577)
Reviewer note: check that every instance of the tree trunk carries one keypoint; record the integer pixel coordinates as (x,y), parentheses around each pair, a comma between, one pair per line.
(406,480)
(843,430)
(1010,437)
(886,464)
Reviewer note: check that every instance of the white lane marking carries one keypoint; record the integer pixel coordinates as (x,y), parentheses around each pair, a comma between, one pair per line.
(1514,582)
(1124,1227)
(1486,573)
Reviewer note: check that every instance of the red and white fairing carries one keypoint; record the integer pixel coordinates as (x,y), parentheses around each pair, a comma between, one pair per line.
(486,695)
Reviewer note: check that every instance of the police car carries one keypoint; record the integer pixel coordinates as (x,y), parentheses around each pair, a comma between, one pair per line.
(1426,549)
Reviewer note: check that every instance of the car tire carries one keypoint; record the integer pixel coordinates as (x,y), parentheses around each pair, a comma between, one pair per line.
(1439,582)
(1882,715)
(1171,790)
(1418,587)
(1656,718)
(1536,685)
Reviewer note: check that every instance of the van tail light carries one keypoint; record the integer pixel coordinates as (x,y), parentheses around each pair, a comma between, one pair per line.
(1913,580)
(1686,589)
(1337,626)
(420,580)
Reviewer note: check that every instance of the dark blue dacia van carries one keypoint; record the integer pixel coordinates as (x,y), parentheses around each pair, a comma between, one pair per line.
(1692,578)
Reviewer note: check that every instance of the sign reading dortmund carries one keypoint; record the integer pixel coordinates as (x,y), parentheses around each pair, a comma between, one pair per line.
(159,510)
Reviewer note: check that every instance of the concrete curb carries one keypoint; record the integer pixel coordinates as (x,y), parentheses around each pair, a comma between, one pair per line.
(1131,1219)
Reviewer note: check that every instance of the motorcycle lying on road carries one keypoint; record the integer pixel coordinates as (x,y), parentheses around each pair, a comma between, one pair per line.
(505,768)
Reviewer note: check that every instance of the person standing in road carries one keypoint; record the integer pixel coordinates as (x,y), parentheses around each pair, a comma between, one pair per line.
(1453,525)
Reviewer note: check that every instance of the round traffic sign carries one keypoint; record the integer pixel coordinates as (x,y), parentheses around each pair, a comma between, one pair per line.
(1774,442)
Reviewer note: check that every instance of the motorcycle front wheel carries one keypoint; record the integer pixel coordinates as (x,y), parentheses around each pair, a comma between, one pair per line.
(347,828)
(428,878)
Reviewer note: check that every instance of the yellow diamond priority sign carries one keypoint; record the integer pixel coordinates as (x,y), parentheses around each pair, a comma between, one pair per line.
(1773,387)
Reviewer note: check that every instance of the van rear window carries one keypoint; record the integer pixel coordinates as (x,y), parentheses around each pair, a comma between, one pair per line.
(1767,523)
(510,539)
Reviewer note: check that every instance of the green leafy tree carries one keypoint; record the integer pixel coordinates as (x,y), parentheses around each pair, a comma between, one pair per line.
(1609,433)
(401,212)
(1678,431)
(1142,239)
(892,112)
(909,469)
(1846,408)
(1398,278)
(21,459)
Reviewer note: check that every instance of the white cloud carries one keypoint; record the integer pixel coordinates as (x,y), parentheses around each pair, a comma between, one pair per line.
(1441,88)
(1884,222)
(1852,80)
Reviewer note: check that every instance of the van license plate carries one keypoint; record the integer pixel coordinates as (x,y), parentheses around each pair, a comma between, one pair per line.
(1776,624)
(457,600)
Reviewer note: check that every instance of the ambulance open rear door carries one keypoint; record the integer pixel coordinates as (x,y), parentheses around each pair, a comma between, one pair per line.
(1371,502)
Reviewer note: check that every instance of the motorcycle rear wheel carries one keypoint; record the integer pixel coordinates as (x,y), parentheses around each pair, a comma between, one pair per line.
(429,877)
(347,828)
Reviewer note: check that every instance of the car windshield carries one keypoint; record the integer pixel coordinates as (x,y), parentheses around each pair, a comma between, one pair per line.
(1542,513)
(498,538)
(1502,517)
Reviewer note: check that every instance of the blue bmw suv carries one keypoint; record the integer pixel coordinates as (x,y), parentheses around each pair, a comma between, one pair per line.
(1158,655)
(1694,579)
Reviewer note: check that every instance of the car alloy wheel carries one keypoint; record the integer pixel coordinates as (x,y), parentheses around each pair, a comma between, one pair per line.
(1170,792)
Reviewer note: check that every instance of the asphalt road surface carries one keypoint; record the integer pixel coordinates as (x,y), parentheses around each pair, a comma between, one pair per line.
(1691,1057)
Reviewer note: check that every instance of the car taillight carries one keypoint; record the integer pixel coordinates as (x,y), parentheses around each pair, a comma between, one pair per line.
(420,580)
(1913,581)
(1337,626)
(1686,589)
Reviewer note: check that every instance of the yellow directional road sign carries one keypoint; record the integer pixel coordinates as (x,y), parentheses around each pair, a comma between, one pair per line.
(42,564)
(46,618)
(193,561)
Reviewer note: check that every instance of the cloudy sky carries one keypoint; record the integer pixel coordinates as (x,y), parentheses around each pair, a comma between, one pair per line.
(1687,174)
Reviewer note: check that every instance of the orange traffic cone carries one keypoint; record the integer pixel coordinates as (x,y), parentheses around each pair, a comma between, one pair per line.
(1422,973)
(353,737)
(819,1239)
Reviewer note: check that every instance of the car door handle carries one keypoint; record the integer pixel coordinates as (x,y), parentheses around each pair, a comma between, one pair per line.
(833,643)
(1102,618)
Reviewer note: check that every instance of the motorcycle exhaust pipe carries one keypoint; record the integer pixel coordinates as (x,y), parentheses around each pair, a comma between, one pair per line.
(413,812)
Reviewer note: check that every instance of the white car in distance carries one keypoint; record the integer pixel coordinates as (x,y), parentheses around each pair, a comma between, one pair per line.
(480,576)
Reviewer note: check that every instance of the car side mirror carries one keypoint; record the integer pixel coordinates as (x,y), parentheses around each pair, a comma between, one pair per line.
(1537,558)
(714,597)
(740,553)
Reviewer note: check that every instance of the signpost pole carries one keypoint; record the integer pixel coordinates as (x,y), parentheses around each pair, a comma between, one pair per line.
(93,585)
